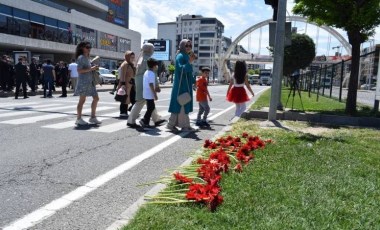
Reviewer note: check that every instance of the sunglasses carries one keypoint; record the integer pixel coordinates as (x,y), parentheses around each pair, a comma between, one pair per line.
(88,47)
(188,46)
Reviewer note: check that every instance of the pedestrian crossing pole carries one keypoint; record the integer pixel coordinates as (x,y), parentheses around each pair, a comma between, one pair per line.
(278,60)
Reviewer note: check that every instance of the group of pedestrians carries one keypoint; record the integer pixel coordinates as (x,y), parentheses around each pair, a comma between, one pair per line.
(140,83)
(23,74)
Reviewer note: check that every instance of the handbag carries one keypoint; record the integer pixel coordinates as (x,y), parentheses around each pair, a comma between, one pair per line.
(185,97)
(121,94)
(97,80)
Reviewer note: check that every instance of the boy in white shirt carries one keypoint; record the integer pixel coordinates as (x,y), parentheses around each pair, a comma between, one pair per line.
(149,92)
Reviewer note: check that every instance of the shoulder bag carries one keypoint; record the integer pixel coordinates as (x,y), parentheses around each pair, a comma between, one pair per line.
(97,80)
(184,98)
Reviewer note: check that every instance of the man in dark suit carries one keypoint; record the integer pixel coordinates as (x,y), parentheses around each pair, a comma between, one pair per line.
(21,76)
(33,68)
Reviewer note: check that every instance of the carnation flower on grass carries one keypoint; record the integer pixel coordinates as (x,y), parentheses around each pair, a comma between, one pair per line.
(199,182)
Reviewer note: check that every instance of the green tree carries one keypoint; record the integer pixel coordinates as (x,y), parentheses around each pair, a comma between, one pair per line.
(171,69)
(358,18)
(300,54)
(251,72)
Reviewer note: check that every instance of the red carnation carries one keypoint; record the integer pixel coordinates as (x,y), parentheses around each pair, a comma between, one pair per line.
(181,178)
(238,168)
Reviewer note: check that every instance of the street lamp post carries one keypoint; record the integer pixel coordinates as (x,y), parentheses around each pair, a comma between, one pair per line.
(336,47)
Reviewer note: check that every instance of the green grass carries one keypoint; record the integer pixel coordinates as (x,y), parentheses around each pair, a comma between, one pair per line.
(325,179)
(324,104)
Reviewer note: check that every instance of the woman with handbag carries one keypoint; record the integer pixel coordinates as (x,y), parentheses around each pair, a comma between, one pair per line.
(127,74)
(181,101)
(85,86)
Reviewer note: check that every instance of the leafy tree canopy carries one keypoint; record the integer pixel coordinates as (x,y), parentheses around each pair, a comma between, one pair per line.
(300,54)
(350,15)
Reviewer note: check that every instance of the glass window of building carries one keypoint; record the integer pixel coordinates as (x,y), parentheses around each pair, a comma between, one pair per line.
(19,25)
(51,29)
(37,24)
(207,35)
(64,33)
(5,16)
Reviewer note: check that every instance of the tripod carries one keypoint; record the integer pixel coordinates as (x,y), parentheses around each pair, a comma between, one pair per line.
(293,87)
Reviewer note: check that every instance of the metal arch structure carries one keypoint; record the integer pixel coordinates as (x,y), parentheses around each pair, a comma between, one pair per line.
(330,30)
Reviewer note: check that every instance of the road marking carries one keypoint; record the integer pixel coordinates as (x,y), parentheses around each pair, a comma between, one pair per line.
(29,120)
(68,124)
(18,112)
(50,209)
(110,128)
(15,104)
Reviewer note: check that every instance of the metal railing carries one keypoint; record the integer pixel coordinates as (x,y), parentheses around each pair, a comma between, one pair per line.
(332,80)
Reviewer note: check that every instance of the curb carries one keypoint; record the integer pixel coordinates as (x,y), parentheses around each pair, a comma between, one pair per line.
(316,118)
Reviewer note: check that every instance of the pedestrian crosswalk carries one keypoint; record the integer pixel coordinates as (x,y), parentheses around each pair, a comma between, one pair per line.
(60,115)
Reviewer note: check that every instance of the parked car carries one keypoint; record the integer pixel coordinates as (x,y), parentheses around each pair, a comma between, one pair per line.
(106,76)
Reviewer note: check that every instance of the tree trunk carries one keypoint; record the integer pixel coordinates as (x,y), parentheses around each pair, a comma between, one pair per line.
(355,41)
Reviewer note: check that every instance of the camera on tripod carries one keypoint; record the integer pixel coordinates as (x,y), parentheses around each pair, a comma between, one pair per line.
(294,86)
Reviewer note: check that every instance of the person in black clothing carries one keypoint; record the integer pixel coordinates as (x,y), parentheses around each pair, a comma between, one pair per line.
(21,77)
(5,74)
(63,77)
(33,70)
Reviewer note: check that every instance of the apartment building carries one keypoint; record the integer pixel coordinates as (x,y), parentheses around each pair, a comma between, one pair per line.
(205,34)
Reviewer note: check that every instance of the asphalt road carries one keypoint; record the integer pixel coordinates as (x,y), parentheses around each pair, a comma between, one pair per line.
(56,176)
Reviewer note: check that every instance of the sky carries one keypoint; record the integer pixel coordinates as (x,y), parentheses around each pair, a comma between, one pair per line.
(236,16)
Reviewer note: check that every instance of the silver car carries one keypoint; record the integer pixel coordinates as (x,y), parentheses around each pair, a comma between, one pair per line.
(106,76)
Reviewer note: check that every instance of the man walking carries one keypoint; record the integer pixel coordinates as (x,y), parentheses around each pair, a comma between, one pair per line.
(33,68)
(49,78)
(63,75)
(21,77)
(73,73)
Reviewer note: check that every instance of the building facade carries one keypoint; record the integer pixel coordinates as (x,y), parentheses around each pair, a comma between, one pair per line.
(205,34)
(51,29)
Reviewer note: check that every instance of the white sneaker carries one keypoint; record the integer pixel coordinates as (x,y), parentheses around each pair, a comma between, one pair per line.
(95,121)
(80,121)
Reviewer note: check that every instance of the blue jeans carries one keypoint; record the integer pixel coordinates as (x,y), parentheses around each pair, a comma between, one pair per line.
(48,84)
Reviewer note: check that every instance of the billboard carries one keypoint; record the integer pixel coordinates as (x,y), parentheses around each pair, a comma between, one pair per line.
(118,11)
(161,49)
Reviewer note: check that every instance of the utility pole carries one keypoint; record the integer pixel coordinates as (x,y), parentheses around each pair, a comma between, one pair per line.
(278,60)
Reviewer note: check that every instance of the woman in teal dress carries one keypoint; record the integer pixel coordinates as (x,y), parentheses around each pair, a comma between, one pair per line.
(183,68)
